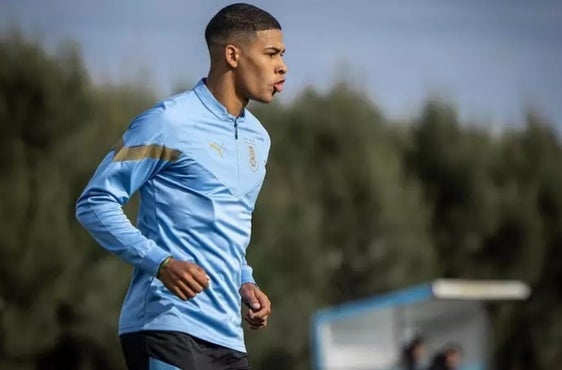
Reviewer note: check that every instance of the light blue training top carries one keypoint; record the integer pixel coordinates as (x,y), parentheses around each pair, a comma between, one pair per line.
(199,170)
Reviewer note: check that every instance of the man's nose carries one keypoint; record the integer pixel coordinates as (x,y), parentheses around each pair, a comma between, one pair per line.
(283,69)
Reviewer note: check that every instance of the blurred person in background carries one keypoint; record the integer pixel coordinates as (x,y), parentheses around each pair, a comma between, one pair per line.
(450,358)
(198,161)
(412,354)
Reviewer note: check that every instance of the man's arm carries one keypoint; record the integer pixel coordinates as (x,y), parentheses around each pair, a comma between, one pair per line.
(139,155)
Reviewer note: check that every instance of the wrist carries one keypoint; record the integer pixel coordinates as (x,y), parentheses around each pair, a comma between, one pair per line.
(163,265)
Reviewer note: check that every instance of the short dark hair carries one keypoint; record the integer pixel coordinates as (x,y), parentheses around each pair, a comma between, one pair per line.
(238,19)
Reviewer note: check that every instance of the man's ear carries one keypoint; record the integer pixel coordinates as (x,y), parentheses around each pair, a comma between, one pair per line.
(232,55)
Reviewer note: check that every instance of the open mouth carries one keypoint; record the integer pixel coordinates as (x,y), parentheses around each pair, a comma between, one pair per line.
(278,86)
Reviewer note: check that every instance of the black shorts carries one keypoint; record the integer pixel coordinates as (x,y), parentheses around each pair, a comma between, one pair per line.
(167,350)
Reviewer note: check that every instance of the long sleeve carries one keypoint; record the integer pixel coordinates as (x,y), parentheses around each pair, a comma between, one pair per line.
(247,272)
(140,154)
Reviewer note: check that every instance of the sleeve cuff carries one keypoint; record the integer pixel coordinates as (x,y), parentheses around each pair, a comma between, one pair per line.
(152,260)
(247,275)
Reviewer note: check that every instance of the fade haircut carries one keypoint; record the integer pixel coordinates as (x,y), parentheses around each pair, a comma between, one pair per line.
(238,20)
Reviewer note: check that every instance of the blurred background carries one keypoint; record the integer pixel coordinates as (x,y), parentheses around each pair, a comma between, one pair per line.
(414,140)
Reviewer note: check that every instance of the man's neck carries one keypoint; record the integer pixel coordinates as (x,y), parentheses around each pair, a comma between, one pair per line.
(222,88)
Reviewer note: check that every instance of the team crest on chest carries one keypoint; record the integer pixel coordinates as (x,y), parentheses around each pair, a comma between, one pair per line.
(252,157)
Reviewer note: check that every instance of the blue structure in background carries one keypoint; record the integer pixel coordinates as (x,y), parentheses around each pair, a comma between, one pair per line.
(369,333)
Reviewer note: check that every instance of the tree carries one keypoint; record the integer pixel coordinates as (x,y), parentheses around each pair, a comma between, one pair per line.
(55,127)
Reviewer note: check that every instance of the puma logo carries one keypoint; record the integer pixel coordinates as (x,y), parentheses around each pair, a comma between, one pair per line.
(216,147)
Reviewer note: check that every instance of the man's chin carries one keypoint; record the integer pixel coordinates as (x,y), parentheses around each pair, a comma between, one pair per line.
(263,99)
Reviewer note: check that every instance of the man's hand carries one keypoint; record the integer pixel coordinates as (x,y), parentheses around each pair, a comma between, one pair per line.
(258,305)
(184,279)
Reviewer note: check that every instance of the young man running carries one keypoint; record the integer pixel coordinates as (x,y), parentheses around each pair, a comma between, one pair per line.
(198,161)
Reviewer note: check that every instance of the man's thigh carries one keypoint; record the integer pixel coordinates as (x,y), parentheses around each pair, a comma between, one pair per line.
(157,350)
(229,359)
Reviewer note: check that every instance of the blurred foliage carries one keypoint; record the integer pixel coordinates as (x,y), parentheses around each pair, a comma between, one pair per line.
(353,205)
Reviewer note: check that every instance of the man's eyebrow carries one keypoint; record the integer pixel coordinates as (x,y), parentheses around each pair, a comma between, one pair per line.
(273,48)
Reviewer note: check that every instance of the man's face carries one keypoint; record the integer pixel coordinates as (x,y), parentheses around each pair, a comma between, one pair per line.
(261,70)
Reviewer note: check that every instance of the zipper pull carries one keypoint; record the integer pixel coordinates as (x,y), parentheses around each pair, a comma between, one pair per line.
(236,129)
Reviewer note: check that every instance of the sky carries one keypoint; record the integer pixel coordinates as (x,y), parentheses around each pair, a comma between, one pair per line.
(490,59)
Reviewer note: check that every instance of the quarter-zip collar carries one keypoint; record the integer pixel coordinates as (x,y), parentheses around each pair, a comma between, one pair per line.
(213,105)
